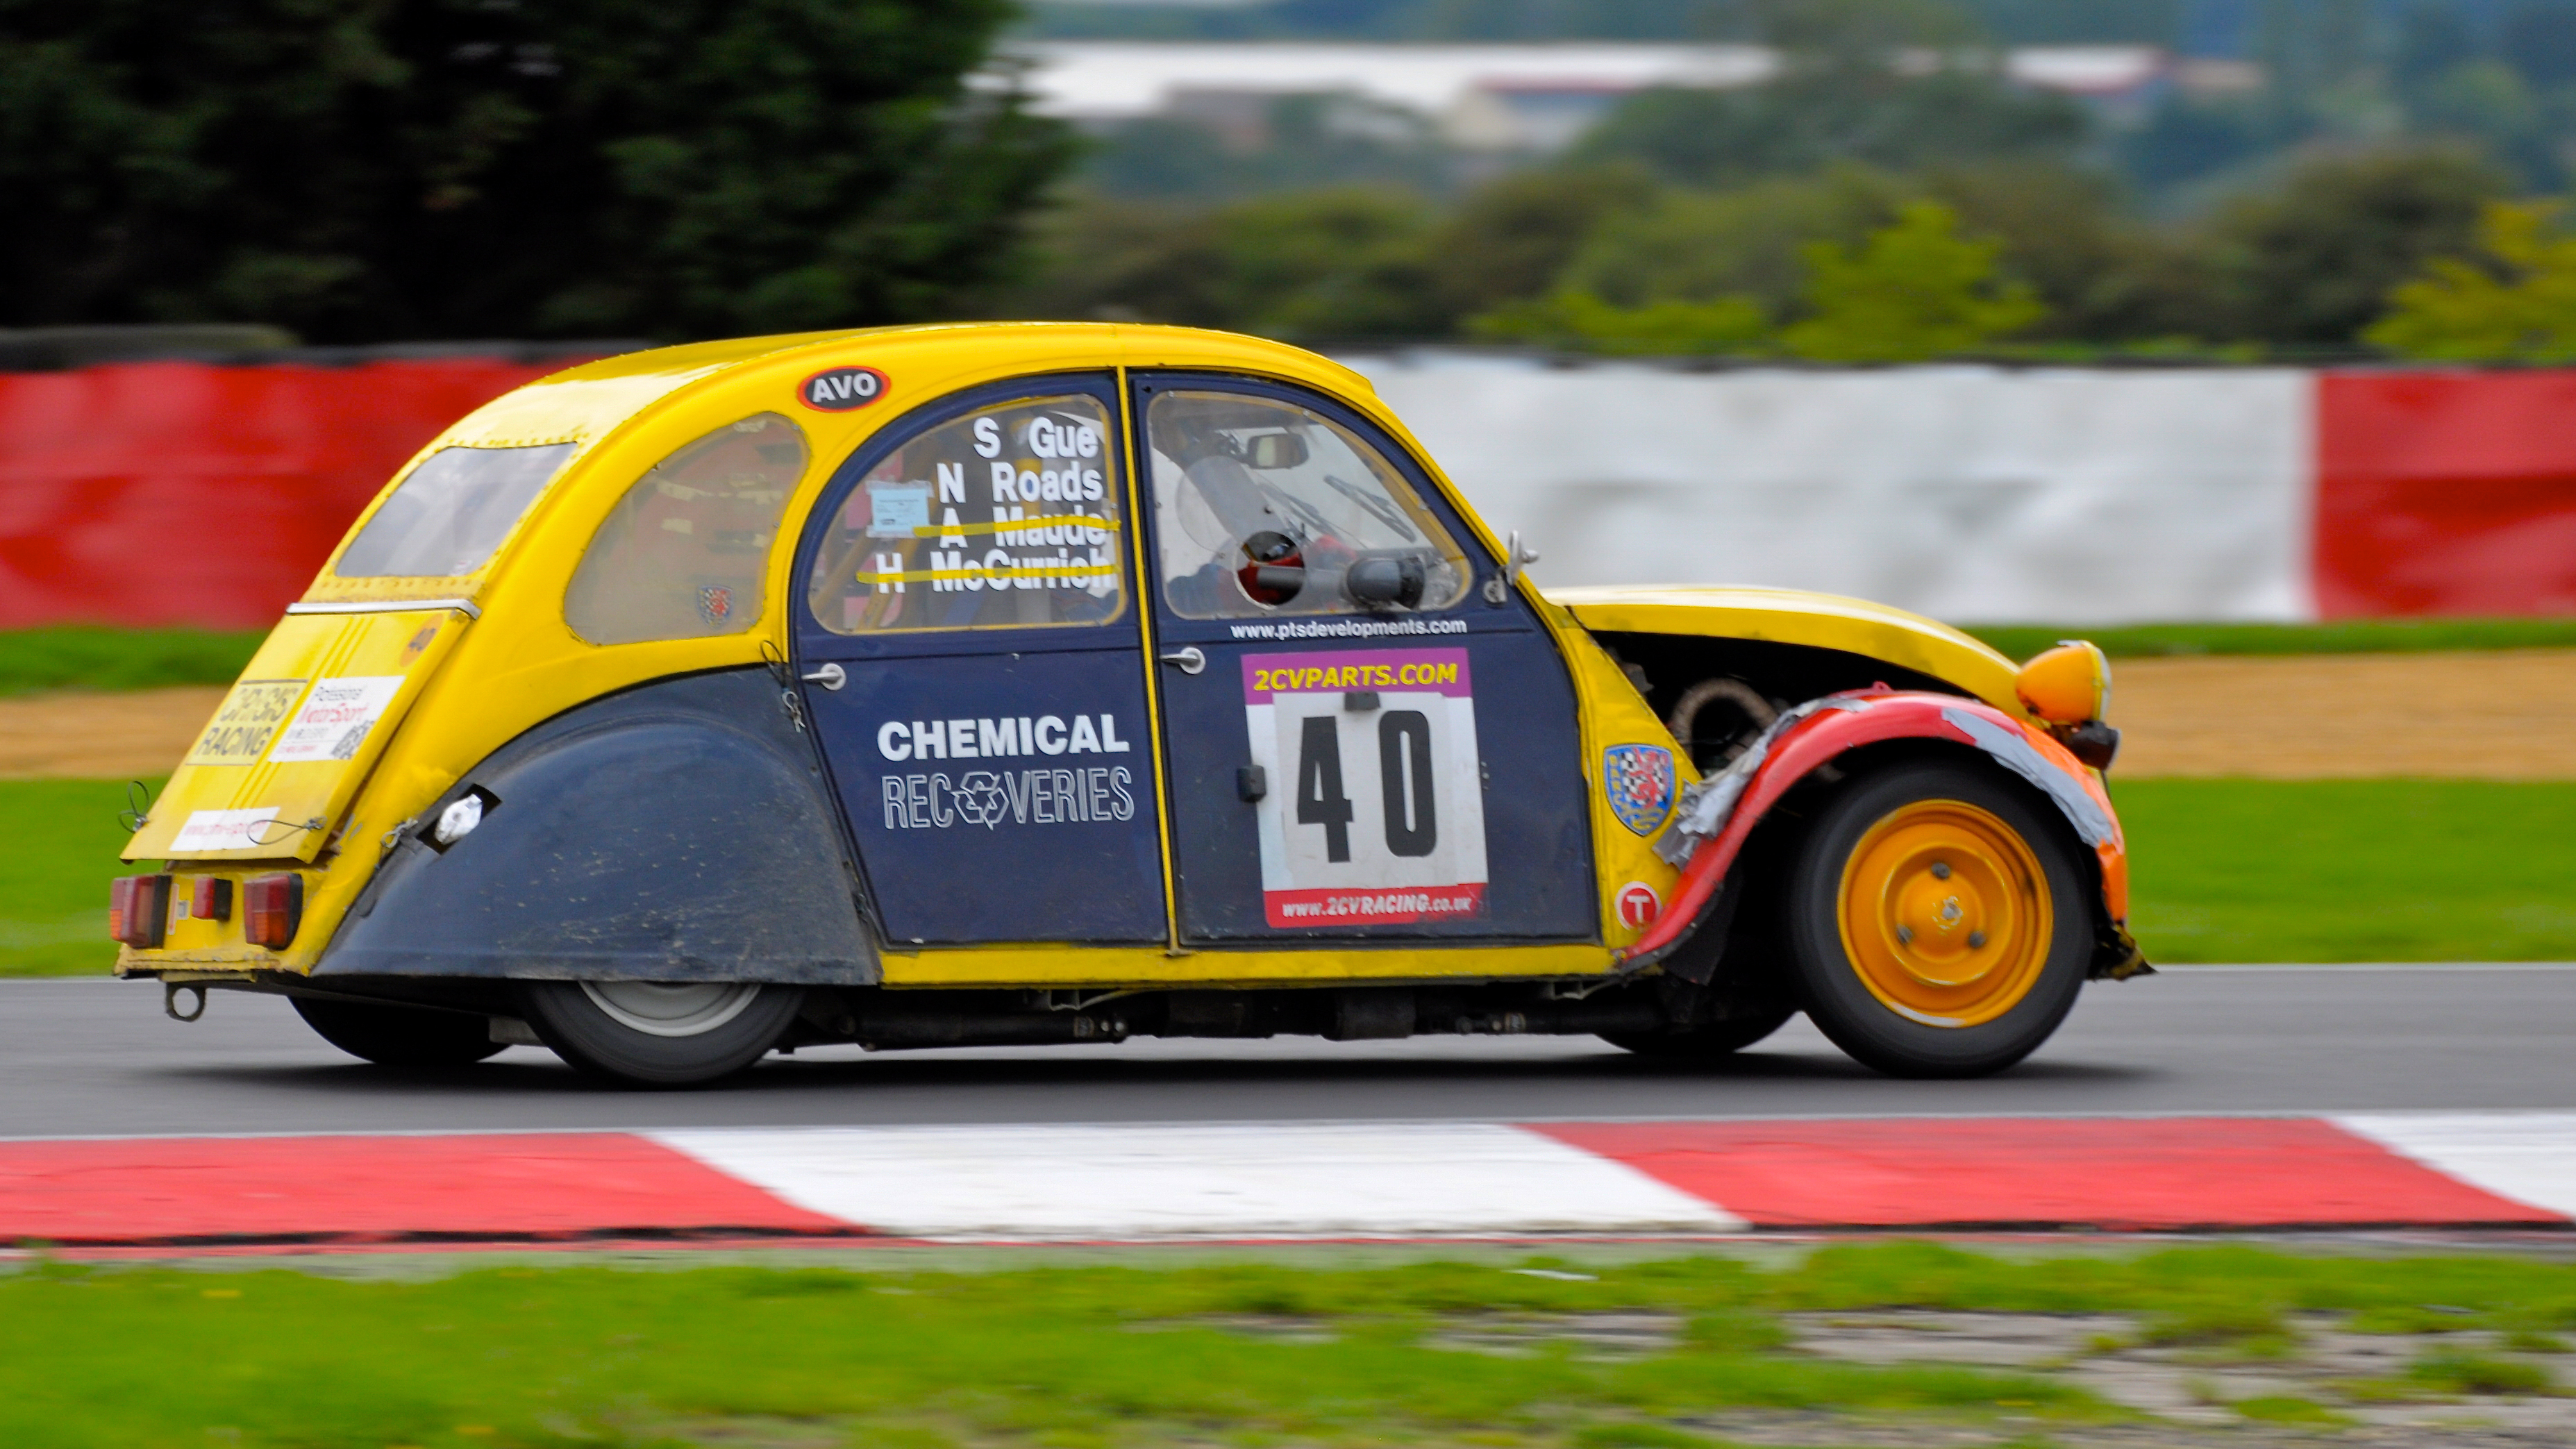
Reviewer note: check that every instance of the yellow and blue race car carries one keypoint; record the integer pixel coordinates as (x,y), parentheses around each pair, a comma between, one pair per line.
(1032,683)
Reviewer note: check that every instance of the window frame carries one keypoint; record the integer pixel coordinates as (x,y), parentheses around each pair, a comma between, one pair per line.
(1481,563)
(1121,631)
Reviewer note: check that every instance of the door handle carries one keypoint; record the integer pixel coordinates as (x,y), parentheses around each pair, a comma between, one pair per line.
(1189,658)
(830,676)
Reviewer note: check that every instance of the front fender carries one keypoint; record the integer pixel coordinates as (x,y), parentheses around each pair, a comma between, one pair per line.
(1718,815)
(675,832)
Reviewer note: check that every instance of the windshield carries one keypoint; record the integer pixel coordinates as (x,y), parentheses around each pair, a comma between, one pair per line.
(454,509)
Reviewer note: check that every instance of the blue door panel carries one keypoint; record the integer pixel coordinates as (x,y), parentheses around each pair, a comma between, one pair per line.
(997,782)
(1000,797)
(1537,855)
(1326,763)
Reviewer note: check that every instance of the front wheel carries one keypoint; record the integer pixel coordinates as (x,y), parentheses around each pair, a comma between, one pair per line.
(660,1033)
(399,1036)
(1938,925)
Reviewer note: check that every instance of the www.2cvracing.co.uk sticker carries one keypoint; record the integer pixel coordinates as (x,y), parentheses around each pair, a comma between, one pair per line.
(1377,814)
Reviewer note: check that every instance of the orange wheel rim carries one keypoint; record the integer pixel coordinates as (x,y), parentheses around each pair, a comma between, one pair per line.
(1945,913)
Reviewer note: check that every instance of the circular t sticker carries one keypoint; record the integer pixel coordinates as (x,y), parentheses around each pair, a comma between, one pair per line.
(839,389)
(1639,905)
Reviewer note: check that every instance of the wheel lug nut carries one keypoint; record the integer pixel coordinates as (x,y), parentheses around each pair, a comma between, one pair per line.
(1940,870)
(1905,935)
(1976,939)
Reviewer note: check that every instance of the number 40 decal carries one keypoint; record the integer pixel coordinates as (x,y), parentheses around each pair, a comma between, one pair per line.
(1379,816)
(1404,776)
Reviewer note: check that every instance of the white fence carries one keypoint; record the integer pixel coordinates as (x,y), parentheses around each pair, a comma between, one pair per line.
(1969,493)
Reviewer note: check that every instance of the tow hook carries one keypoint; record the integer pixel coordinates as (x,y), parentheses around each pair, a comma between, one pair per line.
(170,1000)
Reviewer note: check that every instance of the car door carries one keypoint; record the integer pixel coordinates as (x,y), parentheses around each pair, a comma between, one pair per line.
(1367,735)
(975,673)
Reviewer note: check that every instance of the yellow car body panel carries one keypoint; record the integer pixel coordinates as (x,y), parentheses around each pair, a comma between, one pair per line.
(500,659)
(1794,616)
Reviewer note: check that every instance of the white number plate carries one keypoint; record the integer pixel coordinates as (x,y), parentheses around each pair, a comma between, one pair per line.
(1375,813)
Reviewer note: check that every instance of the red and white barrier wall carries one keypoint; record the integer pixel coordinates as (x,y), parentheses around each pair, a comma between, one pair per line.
(186,493)
(2040,495)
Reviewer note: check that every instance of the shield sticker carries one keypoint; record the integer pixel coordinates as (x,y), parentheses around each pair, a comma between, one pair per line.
(1639,781)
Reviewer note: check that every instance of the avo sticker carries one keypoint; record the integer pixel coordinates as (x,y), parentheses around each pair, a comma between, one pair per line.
(841,389)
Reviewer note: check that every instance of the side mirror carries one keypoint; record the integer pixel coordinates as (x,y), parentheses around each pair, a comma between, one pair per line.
(1267,451)
(1386,581)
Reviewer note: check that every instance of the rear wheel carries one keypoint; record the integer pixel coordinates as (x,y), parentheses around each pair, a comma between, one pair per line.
(1937,922)
(1707,1043)
(399,1036)
(660,1033)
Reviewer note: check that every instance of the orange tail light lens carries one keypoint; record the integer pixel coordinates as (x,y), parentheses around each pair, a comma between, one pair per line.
(138,910)
(272,907)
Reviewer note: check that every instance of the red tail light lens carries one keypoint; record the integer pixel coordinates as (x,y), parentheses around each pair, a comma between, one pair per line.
(272,907)
(212,899)
(138,910)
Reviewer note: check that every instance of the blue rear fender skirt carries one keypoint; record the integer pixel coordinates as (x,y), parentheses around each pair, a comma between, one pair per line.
(679,831)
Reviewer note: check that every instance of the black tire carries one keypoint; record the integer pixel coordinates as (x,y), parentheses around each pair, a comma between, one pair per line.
(657,1034)
(400,1036)
(1717,1039)
(2051,962)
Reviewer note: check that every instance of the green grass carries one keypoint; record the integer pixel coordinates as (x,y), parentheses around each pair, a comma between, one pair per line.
(1082,1357)
(63,838)
(81,656)
(2359,636)
(2222,870)
(2351,870)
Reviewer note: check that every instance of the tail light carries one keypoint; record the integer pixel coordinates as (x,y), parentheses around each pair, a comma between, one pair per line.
(272,907)
(138,910)
(212,899)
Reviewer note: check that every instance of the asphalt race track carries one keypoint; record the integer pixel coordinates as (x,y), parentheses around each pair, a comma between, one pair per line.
(98,1058)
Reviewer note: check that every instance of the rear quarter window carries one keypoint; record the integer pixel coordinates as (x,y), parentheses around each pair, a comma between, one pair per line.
(445,519)
(685,554)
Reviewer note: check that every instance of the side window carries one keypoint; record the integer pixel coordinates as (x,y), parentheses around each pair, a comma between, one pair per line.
(684,555)
(1265,508)
(448,516)
(1007,517)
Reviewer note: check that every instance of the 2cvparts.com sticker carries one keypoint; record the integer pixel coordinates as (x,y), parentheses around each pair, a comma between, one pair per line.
(840,389)
(1377,816)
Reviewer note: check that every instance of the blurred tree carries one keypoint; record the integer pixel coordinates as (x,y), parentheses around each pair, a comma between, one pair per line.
(1581,322)
(1340,263)
(1349,262)
(1842,96)
(2515,302)
(1748,242)
(1811,119)
(1293,142)
(2080,22)
(363,169)
(1917,291)
(1512,237)
(2311,261)
(2104,276)
(2432,37)
(2539,38)
(2184,139)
